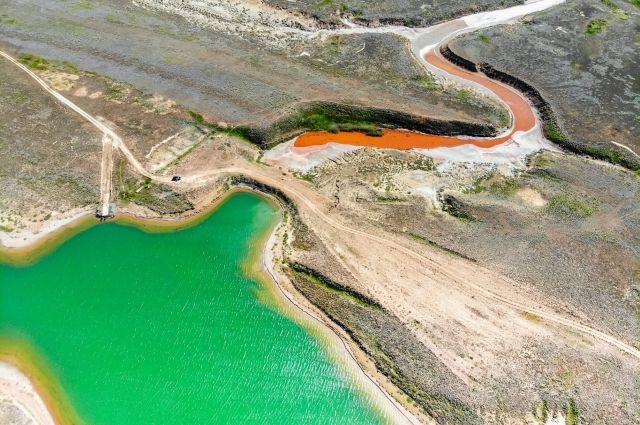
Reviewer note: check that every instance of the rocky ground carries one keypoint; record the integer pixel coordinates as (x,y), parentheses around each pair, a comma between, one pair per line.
(566,226)
(583,57)
(236,77)
(411,13)
(48,155)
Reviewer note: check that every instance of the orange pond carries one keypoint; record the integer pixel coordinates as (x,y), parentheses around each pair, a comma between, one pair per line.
(524,120)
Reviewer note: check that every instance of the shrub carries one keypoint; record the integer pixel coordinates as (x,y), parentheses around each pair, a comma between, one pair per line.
(595,26)
(567,205)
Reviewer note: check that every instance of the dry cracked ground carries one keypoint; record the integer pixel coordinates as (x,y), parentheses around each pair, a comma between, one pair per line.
(559,235)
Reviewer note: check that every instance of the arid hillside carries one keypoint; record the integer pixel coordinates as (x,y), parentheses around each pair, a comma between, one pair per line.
(583,57)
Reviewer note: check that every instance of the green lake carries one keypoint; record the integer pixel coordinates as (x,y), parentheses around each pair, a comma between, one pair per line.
(166,328)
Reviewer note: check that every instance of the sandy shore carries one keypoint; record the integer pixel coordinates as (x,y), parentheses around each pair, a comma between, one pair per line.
(28,237)
(363,372)
(19,401)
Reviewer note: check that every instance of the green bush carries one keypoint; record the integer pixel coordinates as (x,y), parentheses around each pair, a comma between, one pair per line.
(572,414)
(595,26)
(570,206)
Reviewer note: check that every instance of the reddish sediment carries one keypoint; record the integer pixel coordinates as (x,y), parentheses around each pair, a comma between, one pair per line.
(521,111)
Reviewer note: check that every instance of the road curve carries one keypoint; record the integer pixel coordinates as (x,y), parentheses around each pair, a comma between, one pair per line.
(522,115)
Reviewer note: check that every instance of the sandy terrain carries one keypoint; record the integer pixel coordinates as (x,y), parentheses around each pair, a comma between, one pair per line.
(19,402)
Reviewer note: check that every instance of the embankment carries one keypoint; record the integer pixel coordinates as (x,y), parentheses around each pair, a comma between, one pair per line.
(396,352)
(551,128)
(334,117)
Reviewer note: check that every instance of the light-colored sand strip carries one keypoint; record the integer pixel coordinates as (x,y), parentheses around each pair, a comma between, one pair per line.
(17,390)
(26,237)
(625,147)
(384,400)
(157,145)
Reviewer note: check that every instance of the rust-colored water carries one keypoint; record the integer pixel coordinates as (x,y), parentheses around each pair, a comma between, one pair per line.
(523,120)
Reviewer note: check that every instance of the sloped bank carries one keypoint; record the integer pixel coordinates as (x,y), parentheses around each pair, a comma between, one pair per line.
(551,128)
(394,350)
(335,117)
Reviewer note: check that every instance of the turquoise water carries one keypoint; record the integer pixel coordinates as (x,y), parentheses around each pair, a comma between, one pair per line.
(142,328)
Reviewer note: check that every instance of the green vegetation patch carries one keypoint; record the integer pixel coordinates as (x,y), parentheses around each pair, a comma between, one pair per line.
(595,26)
(321,120)
(572,414)
(541,412)
(241,132)
(615,10)
(314,277)
(38,63)
(334,117)
(83,4)
(436,245)
(569,206)
(496,183)
(7,20)
(485,39)
(611,155)
(553,133)
(156,197)
(463,94)
(427,81)
(531,317)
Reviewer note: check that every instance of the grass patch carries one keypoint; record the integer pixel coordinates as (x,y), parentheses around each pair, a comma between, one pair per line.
(620,14)
(241,132)
(196,117)
(436,245)
(495,183)
(485,39)
(113,20)
(320,121)
(613,156)
(463,94)
(531,317)
(7,20)
(595,26)
(636,3)
(344,291)
(553,133)
(6,229)
(38,63)
(615,10)
(570,206)
(572,414)
(308,177)
(34,62)
(83,5)
(427,82)
(541,412)
(505,187)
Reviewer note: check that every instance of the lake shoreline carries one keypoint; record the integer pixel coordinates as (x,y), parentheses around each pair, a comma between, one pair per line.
(259,264)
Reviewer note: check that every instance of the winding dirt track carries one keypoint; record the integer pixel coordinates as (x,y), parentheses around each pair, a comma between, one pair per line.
(522,120)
